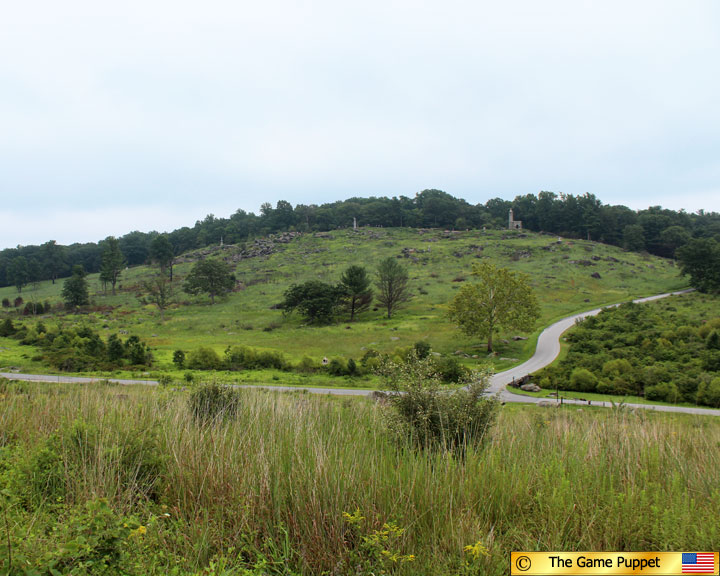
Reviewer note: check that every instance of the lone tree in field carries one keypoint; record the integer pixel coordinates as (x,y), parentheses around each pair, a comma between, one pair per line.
(502,299)
(355,283)
(212,277)
(75,289)
(392,285)
(113,261)
(162,253)
(158,291)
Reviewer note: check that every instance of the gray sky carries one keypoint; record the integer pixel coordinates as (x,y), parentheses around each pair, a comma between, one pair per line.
(150,115)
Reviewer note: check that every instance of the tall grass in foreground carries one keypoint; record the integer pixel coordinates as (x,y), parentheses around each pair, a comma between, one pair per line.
(299,484)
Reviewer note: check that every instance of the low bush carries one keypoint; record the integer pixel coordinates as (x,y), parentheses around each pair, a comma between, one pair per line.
(428,417)
(213,402)
(204,358)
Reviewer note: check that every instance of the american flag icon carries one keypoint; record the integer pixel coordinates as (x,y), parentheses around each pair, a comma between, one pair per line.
(698,563)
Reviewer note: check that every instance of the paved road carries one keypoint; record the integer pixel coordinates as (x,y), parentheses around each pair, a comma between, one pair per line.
(548,348)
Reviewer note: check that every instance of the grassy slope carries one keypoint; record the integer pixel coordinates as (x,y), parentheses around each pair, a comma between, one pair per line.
(563,286)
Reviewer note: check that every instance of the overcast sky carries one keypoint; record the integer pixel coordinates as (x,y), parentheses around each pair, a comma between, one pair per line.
(149,115)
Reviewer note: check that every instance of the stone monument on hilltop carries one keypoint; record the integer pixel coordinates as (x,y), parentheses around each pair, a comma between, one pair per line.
(512,223)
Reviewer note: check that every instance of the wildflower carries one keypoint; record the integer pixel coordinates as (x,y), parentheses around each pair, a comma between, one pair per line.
(476,550)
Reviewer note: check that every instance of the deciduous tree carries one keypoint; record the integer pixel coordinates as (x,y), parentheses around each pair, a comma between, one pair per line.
(162,253)
(501,299)
(317,301)
(113,262)
(392,285)
(212,277)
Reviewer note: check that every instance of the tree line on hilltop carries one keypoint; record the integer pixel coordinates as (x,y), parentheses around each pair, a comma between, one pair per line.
(655,230)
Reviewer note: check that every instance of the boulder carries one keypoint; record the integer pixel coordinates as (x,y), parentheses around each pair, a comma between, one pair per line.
(531,388)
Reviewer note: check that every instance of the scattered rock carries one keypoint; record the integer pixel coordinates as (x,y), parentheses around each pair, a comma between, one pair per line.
(546,403)
(595,275)
(393,338)
(516,338)
(531,388)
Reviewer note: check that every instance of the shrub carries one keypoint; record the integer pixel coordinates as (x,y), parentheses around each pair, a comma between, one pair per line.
(422,349)
(709,393)
(307,365)
(7,328)
(18,302)
(204,358)
(709,326)
(450,369)
(179,359)
(214,401)
(713,340)
(583,380)
(428,417)
(6,303)
(351,367)
(337,367)
(663,392)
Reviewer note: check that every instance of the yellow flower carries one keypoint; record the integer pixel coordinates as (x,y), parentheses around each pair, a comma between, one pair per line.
(476,550)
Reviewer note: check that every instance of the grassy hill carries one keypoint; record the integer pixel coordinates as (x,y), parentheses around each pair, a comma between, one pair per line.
(567,275)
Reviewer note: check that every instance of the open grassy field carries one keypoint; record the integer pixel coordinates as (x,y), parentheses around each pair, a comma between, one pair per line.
(125,480)
(561,273)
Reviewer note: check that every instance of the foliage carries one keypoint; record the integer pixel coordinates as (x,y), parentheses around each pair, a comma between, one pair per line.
(75,289)
(662,350)
(79,348)
(212,277)
(159,292)
(392,284)
(700,259)
(162,254)
(358,295)
(305,484)
(18,273)
(179,359)
(204,358)
(660,231)
(422,349)
(214,401)
(502,299)
(317,301)
(429,417)
(113,261)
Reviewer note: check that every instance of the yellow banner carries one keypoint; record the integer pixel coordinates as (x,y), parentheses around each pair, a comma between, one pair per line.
(600,563)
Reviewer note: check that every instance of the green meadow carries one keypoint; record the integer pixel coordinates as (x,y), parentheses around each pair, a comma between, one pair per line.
(567,275)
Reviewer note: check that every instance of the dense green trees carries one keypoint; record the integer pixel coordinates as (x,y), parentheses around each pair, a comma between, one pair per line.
(500,300)
(211,277)
(656,230)
(392,285)
(663,350)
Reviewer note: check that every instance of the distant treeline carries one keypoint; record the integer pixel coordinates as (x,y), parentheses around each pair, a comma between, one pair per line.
(654,230)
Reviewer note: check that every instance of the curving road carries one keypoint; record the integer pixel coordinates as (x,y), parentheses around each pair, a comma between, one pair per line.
(548,348)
